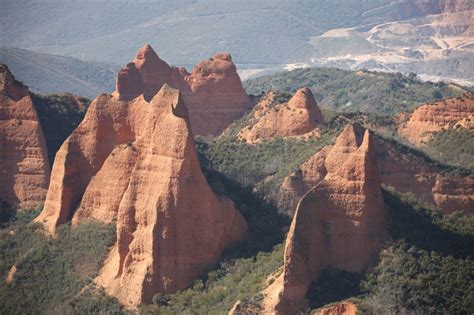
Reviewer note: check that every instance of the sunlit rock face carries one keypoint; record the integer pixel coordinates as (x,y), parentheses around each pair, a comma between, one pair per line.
(135,162)
(299,117)
(213,92)
(24,166)
(430,118)
(341,222)
(405,172)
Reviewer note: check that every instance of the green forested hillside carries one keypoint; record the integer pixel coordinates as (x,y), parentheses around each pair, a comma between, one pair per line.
(345,90)
(455,147)
(47,274)
(427,266)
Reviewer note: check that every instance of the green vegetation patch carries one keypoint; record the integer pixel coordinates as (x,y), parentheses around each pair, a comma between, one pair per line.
(216,292)
(454,146)
(427,266)
(50,272)
(351,91)
(250,164)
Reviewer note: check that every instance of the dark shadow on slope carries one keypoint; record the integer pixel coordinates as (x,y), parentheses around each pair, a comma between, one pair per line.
(7,213)
(407,149)
(333,285)
(424,228)
(266,225)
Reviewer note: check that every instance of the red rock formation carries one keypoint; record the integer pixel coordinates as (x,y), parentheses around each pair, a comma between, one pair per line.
(213,91)
(299,117)
(454,194)
(129,83)
(311,172)
(343,308)
(405,172)
(297,184)
(136,162)
(341,222)
(347,143)
(24,165)
(431,118)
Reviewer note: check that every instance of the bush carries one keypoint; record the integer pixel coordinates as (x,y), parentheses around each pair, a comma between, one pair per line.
(50,272)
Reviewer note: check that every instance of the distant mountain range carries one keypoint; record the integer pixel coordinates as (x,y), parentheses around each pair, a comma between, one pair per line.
(430,37)
(45,73)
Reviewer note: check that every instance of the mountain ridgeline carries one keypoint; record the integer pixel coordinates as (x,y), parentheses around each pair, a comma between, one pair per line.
(47,73)
(350,91)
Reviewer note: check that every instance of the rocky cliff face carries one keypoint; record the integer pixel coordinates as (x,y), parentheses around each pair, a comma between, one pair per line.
(434,117)
(213,92)
(299,117)
(405,172)
(135,162)
(24,165)
(341,222)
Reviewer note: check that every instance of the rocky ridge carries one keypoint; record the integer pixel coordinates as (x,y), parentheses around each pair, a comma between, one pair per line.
(213,92)
(431,118)
(135,162)
(299,117)
(341,222)
(24,175)
(405,172)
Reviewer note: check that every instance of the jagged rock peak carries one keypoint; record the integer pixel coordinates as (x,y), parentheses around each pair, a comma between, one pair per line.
(9,86)
(129,83)
(136,163)
(213,92)
(361,164)
(219,63)
(300,117)
(24,166)
(341,222)
(146,53)
(346,143)
(351,136)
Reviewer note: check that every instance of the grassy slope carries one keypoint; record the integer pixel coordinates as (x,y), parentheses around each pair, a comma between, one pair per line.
(345,90)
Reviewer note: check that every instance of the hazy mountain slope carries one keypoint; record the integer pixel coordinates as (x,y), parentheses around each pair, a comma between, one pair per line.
(401,35)
(344,90)
(254,31)
(46,73)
